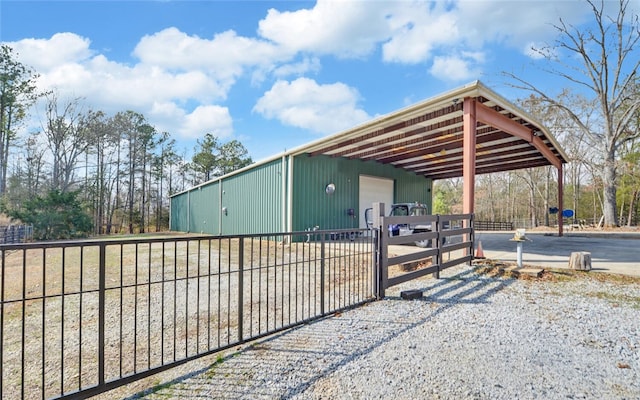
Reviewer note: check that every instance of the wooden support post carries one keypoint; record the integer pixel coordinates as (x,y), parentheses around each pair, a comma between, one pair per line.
(560,205)
(468,160)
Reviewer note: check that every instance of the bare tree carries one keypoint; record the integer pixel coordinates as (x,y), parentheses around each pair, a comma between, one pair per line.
(606,71)
(67,137)
(17,93)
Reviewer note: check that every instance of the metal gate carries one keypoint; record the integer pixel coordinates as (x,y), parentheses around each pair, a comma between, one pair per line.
(80,318)
(446,235)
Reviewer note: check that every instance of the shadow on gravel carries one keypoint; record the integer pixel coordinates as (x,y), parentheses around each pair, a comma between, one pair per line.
(288,363)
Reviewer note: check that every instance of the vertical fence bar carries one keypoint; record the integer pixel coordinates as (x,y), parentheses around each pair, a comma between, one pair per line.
(322,268)
(101,310)
(259,284)
(149,309)
(275,283)
(2,280)
(267,283)
(282,281)
(439,258)
(209,294)
(44,307)
(373,280)
(302,288)
(24,337)
(175,299)
(120,340)
(61,321)
(290,238)
(162,278)
(251,265)
(186,304)
(198,300)
(229,245)
(240,286)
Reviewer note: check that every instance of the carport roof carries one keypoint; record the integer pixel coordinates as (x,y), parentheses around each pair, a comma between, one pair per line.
(427,138)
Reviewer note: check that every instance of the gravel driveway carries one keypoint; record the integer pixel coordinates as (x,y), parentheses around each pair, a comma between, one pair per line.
(472,336)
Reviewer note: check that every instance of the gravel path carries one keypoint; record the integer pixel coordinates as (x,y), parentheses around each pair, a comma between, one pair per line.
(471,337)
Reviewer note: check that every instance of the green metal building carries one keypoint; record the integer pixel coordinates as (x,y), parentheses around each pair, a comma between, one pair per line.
(294,193)
(394,158)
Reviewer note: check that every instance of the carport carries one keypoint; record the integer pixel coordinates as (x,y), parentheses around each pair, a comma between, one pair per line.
(467,131)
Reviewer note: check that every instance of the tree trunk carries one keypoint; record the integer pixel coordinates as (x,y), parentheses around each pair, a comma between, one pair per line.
(632,207)
(576,191)
(132,167)
(609,192)
(144,190)
(580,260)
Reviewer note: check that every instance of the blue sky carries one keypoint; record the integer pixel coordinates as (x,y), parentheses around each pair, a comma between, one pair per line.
(276,75)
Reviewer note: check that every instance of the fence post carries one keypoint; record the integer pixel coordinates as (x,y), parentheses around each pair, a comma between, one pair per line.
(380,254)
(2,289)
(101,311)
(240,287)
(472,235)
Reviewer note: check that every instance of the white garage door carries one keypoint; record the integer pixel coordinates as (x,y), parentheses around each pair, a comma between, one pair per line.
(374,189)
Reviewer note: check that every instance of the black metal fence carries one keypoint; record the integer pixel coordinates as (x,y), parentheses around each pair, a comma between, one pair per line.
(493,226)
(16,233)
(81,318)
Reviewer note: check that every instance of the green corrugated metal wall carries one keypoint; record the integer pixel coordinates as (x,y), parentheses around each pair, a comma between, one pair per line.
(203,211)
(253,200)
(196,210)
(179,212)
(313,207)
(251,203)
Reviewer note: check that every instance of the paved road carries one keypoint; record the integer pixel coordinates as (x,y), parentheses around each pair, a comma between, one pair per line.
(613,253)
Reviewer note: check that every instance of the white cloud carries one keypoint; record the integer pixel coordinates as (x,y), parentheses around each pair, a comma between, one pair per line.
(418,32)
(169,117)
(300,68)
(453,68)
(208,119)
(223,57)
(67,64)
(516,23)
(60,49)
(341,28)
(415,31)
(305,104)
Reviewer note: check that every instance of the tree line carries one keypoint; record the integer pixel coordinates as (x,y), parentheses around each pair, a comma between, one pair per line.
(118,170)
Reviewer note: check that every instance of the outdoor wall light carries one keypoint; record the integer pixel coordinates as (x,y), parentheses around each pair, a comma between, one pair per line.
(330,189)
(224,210)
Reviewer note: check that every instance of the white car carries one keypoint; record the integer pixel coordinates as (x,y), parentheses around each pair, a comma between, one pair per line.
(401,210)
